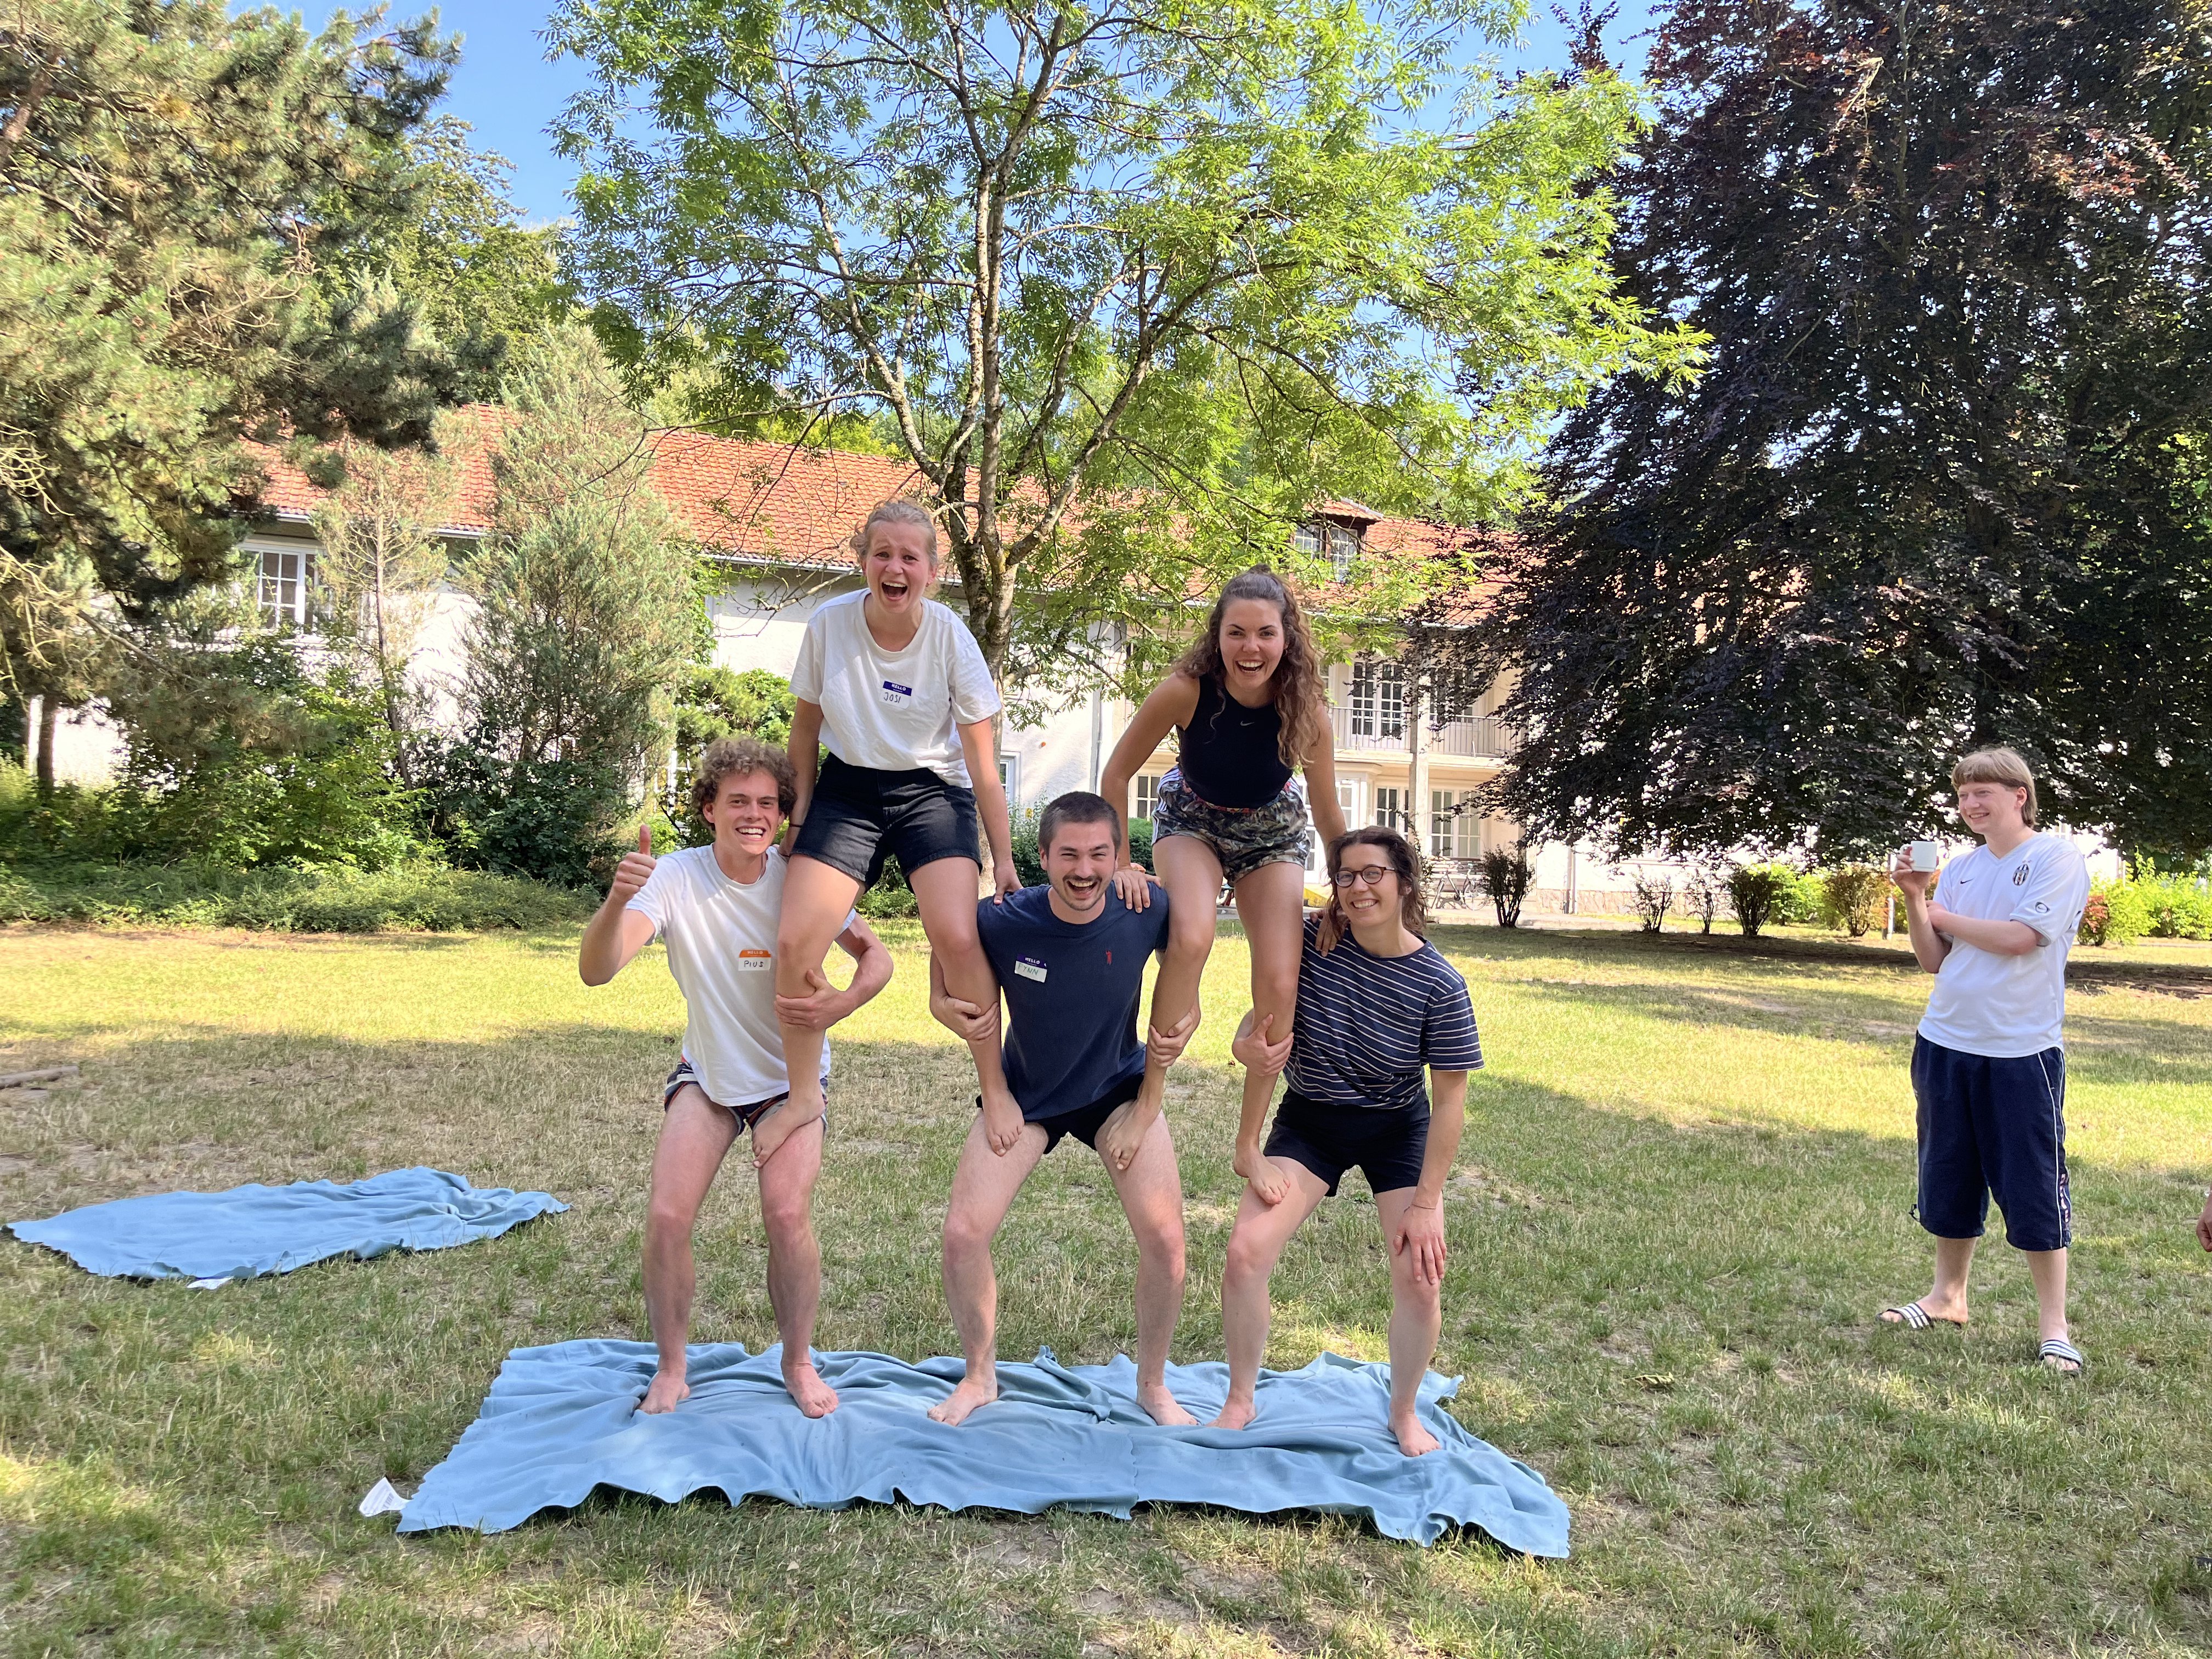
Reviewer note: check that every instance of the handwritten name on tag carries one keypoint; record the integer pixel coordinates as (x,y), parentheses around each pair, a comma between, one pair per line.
(1029,969)
(895,693)
(754,962)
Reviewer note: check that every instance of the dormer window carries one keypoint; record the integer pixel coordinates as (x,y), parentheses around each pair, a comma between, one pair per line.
(1340,542)
(1343,549)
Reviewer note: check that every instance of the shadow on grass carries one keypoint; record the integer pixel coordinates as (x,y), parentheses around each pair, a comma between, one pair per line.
(1672,1321)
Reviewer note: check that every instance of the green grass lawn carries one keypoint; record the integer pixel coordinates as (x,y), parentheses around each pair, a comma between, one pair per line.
(1683,1194)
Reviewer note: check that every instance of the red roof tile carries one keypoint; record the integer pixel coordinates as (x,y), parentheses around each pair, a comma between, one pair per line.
(785,504)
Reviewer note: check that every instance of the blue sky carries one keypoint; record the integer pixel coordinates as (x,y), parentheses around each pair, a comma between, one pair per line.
(508,91)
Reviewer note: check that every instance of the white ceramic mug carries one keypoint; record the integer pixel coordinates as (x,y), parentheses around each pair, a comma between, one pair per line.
(1926,855)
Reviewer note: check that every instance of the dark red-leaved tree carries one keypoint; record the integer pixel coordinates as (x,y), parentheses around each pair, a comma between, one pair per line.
(1945,482)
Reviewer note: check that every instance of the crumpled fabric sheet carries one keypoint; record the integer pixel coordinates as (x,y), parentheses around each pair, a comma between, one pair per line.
(254,1230)
(561,1421)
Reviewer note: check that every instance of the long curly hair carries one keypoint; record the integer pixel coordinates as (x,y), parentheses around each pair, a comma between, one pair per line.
(1297,681)
(1413,908)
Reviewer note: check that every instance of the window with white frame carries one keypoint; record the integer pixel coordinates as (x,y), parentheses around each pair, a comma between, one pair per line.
(282,584)
(1009,776)
(1450,700)
(1390,809)
(1378,701)
(1343,549)
(1148,794)
(1306,539)
(1454,826)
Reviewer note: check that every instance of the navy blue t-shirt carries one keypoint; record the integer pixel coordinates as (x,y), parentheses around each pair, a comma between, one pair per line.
(1367,1024)
(1071,990)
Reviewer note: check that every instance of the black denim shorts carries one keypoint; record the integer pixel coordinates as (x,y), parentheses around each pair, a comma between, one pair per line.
(860,817)
(1387,1145)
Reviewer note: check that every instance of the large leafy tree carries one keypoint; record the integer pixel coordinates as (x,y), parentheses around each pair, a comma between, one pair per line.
(174,182)
(1132,285)
(1943,484)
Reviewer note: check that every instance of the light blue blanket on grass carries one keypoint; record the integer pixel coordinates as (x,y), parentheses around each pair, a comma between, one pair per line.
(254,1230)
(561,1421)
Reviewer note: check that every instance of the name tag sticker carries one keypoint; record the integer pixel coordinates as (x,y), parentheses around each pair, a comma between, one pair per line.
(895,693)
(1030,967)
(753,962)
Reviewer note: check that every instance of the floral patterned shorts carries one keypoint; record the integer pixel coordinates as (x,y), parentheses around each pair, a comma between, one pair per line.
(1244,838)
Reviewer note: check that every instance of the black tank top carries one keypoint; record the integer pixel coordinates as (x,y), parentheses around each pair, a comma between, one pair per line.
(1232,756)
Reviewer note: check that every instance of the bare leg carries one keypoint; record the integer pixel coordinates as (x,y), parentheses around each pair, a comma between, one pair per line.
(1192,875)
(1954,1258)
(1271,903)
(794,1260)
(815,900)
(1417,1319)
(944,889)
(1254,1246)
(694,1134)
(2048,1270)
(983,1189)
(1151,1197)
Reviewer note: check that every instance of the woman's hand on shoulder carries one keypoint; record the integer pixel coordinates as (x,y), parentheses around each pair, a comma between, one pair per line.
(1134,885)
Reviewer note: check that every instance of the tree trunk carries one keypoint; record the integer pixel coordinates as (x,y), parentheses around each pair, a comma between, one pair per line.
(47,710)
(1416,757)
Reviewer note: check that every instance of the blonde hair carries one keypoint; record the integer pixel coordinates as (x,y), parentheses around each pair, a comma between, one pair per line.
(1997,765)
(897,510)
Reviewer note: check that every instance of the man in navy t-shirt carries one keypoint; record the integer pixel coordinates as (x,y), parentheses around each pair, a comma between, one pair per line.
(1070,959)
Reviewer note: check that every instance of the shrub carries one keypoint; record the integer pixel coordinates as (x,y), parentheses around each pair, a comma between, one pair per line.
(2117,913)
(890,896)
(1702,895)
(1654,896)
(1852,898)
(1757,893)
(546,820)
(414,896)
(2178,907)
(1506,873)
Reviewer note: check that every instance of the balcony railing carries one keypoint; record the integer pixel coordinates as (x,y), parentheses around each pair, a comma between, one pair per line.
(1479,736)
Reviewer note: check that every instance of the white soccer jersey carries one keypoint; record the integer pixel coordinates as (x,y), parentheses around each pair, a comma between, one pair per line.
(1999,1006)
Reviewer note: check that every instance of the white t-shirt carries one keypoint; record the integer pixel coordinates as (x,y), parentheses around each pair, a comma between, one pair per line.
(894,710)
(721,949)
(2007,1007)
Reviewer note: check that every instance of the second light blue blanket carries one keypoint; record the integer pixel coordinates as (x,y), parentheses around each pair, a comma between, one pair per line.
(254,1230)
(562,1419)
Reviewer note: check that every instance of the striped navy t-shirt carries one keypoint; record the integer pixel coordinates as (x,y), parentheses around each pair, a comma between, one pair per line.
(1367,1024)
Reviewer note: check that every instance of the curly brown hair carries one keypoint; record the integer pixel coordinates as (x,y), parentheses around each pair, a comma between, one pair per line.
(729,757)
(1296,682)
(1413,908)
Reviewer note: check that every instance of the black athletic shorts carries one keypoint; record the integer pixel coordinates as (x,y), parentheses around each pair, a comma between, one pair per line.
(1387,1144)
(860,816)
(1085,1121)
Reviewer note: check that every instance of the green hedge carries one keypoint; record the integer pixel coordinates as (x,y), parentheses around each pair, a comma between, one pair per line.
(2163,905)
(412,897)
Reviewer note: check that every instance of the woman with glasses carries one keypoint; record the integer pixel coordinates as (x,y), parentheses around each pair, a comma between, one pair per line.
(1377,1003)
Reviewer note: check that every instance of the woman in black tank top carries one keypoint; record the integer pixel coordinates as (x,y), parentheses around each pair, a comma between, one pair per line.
(1232,756)
(1247,702)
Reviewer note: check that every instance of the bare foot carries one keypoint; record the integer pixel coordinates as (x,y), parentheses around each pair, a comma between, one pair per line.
(1941,1313)
(1160,1405)
(815,1397)
(1123,1133)
(1235,1415)
(1002,1123)
(669,1390)
(1268,1180)
(777,1124)
(974,1390)
(1413,1438)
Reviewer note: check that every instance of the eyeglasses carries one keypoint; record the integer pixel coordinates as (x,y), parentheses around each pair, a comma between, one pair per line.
(1372,874)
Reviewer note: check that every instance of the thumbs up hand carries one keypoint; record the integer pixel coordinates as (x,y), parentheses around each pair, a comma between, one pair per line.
(631,873)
